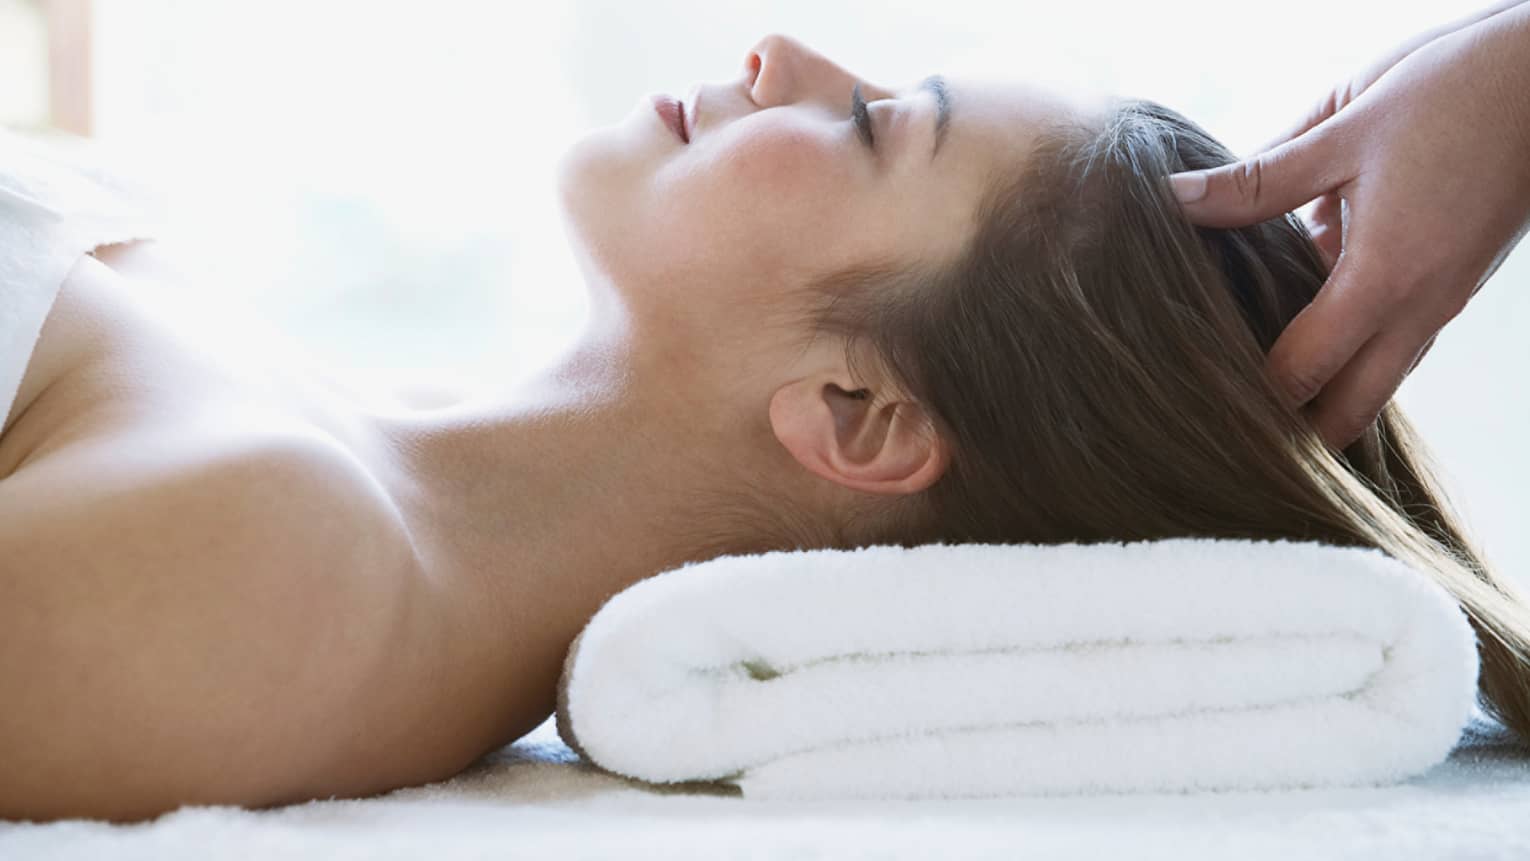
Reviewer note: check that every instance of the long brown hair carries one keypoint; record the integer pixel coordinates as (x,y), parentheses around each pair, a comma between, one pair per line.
(1096,363)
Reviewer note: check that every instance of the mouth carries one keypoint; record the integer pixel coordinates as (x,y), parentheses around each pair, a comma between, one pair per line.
(672,112)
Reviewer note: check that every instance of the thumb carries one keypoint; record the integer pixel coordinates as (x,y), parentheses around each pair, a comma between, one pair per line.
(1262,186)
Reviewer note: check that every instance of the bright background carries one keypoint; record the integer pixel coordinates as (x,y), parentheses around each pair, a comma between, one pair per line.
(374,178)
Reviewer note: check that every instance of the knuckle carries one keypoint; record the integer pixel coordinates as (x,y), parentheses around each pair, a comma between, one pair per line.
(1247,178)
(770,40)
(1453,302)
(1418,294)
(1331,103)
(1339,96)
(1336,429)
(1300,383)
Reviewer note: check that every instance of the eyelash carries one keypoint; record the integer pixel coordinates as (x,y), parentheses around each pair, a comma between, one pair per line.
(859,115)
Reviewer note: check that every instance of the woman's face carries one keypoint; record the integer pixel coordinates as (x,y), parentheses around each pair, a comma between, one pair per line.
(777,186)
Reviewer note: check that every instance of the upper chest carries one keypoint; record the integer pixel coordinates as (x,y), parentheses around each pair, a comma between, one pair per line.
(121,399)
(117,394)
(141,395)
(111,361)
(117,400)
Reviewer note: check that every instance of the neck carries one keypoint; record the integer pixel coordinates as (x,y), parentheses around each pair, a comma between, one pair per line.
(529,508)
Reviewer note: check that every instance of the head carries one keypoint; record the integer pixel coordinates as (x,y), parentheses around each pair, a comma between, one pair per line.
(712,247)
(1022,339)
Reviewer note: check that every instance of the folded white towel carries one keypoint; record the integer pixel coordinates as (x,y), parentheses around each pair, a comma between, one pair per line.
(58,201)
(980,670)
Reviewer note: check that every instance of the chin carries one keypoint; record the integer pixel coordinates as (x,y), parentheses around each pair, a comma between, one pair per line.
(601,172)
(602,182)
(580,169)
(611,159)
(586,182)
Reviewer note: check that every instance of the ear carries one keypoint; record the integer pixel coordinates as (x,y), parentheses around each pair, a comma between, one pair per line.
(850,438)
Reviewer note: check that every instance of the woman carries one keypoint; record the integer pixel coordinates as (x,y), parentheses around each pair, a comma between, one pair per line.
(958,311)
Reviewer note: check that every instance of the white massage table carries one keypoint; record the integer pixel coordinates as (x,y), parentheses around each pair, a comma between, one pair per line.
(536,799)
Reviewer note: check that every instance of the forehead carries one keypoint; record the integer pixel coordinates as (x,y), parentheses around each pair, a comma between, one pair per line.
(990,117)
(992,126)
(925,210)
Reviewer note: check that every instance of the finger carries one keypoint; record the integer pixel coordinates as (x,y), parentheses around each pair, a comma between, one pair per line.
(1262,186)
(1422,353)
(1325,225)
(1328,245)
(1323,336)
(1328,211)
(1357,394)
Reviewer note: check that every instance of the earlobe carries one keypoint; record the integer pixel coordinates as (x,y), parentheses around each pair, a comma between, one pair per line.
(849,437)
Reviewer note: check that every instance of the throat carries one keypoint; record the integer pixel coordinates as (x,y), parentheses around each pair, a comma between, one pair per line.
(531,508)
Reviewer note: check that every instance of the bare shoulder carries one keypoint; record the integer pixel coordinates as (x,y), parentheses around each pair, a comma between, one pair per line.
(92,316)
(189,617)
(75,329)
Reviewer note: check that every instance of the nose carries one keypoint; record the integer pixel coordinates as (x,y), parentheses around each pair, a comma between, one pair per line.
(782,70)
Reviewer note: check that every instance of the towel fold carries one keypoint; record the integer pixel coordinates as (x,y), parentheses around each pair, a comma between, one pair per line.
(974,670)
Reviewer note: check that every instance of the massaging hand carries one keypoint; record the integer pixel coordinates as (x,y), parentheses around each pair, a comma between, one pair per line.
(1420,168)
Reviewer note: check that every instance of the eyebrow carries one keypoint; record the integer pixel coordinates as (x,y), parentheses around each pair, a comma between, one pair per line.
(937,85)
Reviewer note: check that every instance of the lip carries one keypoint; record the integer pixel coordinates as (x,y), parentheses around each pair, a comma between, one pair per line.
(672,112)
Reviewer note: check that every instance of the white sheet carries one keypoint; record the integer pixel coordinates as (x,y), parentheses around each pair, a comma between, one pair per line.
(536,799)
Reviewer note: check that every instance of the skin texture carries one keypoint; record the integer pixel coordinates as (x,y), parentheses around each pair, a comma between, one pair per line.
(695,387)
(1422,186)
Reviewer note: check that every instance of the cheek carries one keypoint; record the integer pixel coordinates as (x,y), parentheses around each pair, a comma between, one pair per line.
(784,163)
(762,196)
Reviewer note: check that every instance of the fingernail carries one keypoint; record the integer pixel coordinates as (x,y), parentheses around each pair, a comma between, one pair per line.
(1189,187)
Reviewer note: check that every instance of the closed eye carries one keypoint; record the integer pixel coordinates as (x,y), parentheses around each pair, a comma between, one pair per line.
(860,116)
